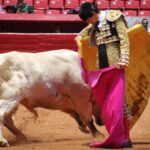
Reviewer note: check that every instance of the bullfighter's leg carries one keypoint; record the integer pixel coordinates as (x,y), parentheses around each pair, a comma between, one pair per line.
(8,122)
(6,107)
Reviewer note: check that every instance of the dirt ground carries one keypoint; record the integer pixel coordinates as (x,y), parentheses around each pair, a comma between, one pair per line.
(55,130)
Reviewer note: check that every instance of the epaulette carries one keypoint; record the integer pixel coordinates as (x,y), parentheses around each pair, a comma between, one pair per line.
(86,30)
(113,15)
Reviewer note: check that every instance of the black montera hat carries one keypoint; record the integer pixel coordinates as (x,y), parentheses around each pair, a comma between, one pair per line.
(87,9)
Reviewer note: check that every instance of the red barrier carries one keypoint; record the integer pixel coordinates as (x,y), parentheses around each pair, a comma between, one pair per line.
(36,42)
(39,18)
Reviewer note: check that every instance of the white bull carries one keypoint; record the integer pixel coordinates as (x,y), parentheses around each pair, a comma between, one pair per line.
(49,80)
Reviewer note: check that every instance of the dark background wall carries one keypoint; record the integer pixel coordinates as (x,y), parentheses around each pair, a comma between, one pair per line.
(41,27)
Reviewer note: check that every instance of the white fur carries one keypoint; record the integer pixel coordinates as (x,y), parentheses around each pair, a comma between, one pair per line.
(49,79)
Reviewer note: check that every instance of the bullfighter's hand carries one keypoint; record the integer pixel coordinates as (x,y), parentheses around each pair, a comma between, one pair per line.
(121,65)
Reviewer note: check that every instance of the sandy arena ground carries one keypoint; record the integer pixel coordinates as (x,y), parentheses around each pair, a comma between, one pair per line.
(55,130)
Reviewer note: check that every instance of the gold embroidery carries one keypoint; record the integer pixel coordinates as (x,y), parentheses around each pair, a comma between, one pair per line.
(86,31)
(113,15)
(117,45)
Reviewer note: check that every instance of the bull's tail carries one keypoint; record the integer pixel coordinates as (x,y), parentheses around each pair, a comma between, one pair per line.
(30,108)
(34,112)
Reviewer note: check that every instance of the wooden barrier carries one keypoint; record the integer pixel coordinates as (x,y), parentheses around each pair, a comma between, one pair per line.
(39,18)
(36,42)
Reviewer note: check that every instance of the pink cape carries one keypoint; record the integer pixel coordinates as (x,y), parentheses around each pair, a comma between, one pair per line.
(108,86)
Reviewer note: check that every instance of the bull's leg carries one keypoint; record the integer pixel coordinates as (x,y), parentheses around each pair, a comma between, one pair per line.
(89,122)
(98,121)
(82,126)
(96,112)
(6,107)
(3,141)
(83,105)
(86,111)
(93,129)
(8,122)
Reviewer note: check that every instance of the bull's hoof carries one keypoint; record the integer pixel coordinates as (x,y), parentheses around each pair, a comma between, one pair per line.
(21,139)
(4,144)
(84,129)
(98,134)
(99,121)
